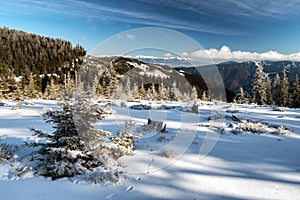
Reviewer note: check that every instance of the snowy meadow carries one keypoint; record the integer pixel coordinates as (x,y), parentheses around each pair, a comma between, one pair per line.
(225,151)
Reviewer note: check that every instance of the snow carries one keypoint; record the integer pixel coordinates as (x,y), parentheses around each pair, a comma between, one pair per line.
(242,166)
(145,70)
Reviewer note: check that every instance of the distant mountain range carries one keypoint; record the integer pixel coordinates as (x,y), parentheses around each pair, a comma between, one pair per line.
(171,62)
(234,74)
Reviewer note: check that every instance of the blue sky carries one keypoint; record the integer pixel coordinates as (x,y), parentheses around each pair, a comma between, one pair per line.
(222,27)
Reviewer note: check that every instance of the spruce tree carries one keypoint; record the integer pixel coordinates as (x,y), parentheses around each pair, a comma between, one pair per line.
(194,94)
(52,91)
(285,96)
(241,97)
(153,92)
(135,91)
(204,96)
(69,85)
(18,94)
(296,93)
(30,90)
(75,147)
(127,87)
(261,86)
(276,89)
(268,87)
(175,93)
(119,92)
(163,92)
(142,91)
(4,89)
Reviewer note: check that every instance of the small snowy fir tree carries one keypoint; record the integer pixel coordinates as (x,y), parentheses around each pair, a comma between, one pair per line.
(205,96)
(4,88)
(135,91)
(276,91)
(285,96)
(260,86)
(127,88)
(76,147)
(30,90)
(163,92)
(296,93)
(175,93)
(69,85)
(142,91)
(18,94)
(268,86)
(52,91)
(241,97)
(194,94)
(153,92)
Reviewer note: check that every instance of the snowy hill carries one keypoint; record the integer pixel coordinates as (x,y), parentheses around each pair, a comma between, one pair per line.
(240,165)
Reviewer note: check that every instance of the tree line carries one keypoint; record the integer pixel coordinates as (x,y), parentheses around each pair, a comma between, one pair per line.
(276,92)
(24,54)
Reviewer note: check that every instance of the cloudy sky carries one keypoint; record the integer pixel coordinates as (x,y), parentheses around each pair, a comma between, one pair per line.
(226,29)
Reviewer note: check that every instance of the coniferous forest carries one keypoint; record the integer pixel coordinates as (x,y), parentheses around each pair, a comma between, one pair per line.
(34,60)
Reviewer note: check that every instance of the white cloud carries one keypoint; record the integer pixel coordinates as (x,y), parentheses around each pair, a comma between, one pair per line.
(168,55)
(226,54)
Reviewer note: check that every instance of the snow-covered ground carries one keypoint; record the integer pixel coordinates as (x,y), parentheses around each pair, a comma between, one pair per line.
(242,166)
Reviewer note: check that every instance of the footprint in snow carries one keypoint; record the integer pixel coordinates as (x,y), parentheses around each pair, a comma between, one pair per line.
(138,178)
(129,188)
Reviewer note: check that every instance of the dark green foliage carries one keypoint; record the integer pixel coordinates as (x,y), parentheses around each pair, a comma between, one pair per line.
(285,86)
(6,152)
(296,93)
(25,52)
(121,66)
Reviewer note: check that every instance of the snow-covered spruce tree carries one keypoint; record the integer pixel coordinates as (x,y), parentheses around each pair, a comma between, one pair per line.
(69,85)
(135,91)
(268,87)
(127,88)
(194,94)
(142,91)
(276,89)
(261,85)
(4,88)
(18,94)
(296,93)
(153,92)
(285,86)
(175,93)
(163,92)
(76,147)
(30,90)
(241,97)
(52,91)
(205,96)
